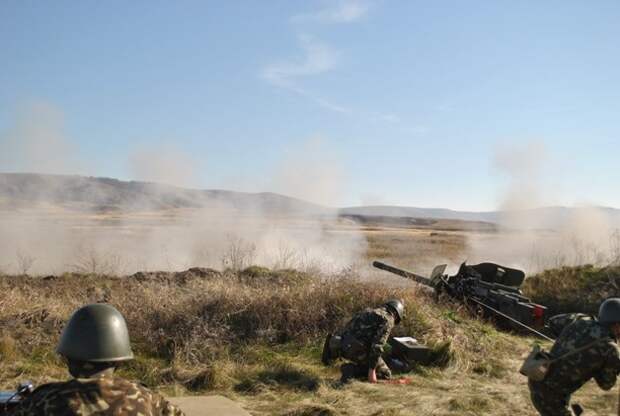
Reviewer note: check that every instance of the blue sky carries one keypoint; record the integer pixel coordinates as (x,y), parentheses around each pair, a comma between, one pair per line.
(340,102)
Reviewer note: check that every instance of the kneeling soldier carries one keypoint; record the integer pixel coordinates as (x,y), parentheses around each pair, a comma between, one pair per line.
(599,359)
(363,339)
(93,343)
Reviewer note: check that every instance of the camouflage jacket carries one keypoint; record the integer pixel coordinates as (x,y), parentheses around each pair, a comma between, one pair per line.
(371,328)
(105,395)
(600,361)
(557,323)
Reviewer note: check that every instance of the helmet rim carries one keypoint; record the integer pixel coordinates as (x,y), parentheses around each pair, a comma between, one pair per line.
(396,307)
(96,333)
(609,312)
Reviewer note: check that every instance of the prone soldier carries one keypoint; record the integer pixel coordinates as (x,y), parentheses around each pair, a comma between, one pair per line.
(93,343)
(586,348)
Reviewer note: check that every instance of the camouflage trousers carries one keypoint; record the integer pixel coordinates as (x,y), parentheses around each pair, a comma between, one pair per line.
(547,400)
(359,370)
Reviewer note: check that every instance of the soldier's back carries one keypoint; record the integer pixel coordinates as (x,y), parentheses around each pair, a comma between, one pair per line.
(105,395)
(570,373)
(365,324)
(557,323)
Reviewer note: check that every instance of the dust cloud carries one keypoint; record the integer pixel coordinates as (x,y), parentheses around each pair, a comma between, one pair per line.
(164,163)
(310,172)
(37,141)
(54,224)
(534,238)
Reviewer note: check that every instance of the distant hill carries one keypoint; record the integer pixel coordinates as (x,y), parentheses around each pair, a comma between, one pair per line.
(18,190)
(437,224)
(438,213)
(80,193)
(545,217)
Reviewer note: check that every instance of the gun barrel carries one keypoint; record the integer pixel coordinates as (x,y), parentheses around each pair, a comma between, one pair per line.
(404,273)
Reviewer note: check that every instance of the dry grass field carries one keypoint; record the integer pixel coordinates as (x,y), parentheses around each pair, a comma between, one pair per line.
(255,334)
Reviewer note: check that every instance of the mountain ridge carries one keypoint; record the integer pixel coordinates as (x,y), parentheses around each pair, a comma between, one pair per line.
(109,194)
(102,194)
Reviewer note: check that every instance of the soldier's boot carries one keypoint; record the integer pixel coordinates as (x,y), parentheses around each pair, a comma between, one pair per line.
(383,371)
(350,371)
(347,372)
(384,374)
(326,357)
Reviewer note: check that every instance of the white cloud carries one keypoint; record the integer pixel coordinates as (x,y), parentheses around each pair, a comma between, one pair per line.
(344,11)
(318,58)
(388,118)
(327,104)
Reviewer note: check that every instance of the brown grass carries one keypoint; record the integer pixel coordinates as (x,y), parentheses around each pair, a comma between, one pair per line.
(203,329)
(188,318)
(574,289)
(418,250)
(255,335)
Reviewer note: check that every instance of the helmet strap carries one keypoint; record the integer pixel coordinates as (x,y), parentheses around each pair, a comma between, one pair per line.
(87,369)
(394,313)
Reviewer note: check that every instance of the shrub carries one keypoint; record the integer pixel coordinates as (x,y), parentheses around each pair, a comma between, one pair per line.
(573,289)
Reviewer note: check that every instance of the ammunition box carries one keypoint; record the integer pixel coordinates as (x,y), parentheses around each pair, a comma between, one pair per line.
(407,348)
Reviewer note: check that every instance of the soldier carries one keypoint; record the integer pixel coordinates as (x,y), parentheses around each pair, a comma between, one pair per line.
(363,340)
(556,324)
(599,359)
(93,343)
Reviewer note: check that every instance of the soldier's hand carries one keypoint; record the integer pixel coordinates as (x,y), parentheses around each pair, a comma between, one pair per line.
(372,375)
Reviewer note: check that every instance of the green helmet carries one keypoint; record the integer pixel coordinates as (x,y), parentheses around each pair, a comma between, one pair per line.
(397,308)
(609,312)
(96,333)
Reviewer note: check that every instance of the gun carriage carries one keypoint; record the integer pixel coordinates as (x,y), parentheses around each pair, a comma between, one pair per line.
(492,290)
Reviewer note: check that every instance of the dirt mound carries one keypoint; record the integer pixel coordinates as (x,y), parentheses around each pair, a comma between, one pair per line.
(176,277)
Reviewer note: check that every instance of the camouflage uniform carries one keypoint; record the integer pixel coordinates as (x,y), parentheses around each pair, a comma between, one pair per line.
(601,362)
(103,395)
(557,323)
(363,340)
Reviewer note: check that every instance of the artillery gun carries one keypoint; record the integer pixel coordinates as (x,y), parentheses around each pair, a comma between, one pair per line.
(492,290)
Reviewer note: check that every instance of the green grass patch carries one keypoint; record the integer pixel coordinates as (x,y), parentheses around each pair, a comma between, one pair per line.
(281,376)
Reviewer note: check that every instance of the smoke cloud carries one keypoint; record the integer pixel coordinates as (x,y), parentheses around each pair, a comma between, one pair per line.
(311,172)
(37,142)
(523,169)
(56,224)
(164,164)
(51,224)
(535,238)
